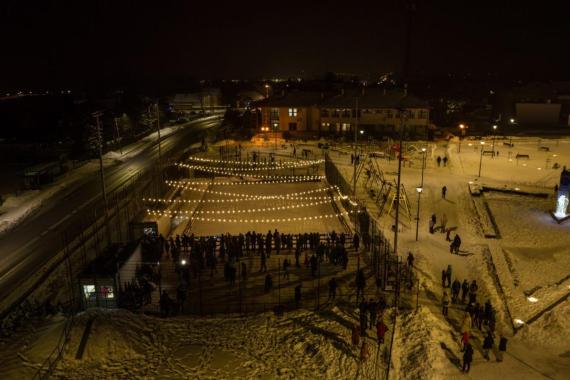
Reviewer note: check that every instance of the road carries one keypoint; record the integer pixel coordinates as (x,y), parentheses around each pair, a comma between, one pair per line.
(35,240)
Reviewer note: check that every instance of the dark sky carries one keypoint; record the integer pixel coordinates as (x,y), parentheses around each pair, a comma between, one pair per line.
(76,43)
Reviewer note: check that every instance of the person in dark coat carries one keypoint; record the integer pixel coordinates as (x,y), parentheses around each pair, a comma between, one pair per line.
(464,291)
(332,288)
(488,345)
(455,289)
(443,191)
(502,348)
(298,295)
(356,242)
(381,329)
(467,358)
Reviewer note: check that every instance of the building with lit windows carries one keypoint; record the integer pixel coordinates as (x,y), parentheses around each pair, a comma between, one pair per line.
(316,114)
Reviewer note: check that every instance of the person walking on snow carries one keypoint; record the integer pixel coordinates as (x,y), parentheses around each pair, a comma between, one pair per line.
(502,348)
(464,291)
(410,260)
(356,242)
(431,226)
(445,303)
(448,275)
(455,244)
(443,191)
(332,288)
(438,159)
(455,289)
(445,161)
(443,277)
(373,312)
(488,345)
(467,358)
(381,329)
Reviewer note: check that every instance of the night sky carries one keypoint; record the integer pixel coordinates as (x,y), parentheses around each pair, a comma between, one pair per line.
(55,43)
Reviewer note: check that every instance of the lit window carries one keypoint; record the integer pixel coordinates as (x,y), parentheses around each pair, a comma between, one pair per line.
(89,291)
(292,112)
(107,292)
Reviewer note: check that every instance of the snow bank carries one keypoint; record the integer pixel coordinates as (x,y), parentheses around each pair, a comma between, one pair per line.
(552,330)
(419,351)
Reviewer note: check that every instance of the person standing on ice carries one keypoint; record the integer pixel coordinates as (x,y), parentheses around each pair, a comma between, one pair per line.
(445,303)
(443,191)
(431,226)
(445,161)
(448,275)
(438,159)
(443,277)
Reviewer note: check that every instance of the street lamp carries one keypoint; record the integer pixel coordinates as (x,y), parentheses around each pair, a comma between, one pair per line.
(512,121)
(462,128)
(266,91)
(481,158)
(494,135)
(419,190)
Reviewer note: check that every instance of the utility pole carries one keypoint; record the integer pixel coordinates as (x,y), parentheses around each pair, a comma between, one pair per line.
(118,135)
(419,190)
(158,130)
(402,126)
(355,152)
(97,116)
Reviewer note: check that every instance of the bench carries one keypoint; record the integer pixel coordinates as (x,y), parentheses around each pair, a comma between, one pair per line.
(522,156)
(488,153)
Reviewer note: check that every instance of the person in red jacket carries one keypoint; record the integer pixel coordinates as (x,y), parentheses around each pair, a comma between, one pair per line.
(381,329)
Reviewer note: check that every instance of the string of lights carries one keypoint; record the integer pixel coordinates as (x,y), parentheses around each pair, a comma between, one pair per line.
(228,183)
(182,201)
(298,163)
(265,220)
(272,196)
(242,211)
(238,172)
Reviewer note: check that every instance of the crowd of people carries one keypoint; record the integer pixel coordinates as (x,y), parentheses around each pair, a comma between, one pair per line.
(195,256)
(476,315)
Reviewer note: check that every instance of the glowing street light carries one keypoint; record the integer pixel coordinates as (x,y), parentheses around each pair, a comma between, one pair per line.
(494,135)
(419,190)
(481,158)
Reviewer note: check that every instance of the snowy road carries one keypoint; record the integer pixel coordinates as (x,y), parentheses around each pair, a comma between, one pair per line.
(34,241)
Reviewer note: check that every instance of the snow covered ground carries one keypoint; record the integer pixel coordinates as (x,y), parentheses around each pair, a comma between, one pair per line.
(529,258)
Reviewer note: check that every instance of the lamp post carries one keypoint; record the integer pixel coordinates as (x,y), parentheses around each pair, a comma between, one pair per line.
(419,190)
(481,158)
(494,134)
(462,128)
(266,91)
